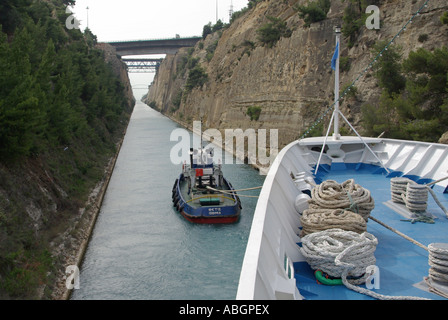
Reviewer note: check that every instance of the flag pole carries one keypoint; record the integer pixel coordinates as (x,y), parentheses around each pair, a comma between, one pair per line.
(336,135)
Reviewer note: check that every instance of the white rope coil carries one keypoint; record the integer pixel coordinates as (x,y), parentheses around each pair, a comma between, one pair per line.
(343,254)
(336,251)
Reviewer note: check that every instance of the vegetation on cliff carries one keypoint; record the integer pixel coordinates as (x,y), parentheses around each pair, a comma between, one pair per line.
(62,111)
(314,12)
(414,102)
(272,31)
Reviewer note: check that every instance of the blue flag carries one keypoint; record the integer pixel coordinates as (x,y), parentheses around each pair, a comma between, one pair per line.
(335,57)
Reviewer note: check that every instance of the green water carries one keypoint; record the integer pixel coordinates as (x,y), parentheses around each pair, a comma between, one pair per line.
(141,247)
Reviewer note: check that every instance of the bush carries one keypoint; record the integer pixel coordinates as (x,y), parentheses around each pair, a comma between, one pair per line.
(344,64)
(209,29)
(271,32)
(186,62)
(423,37)
(444,18)
(253,3)
(314,12)
(211,50)
(206,30)
(238,14)
(354,18)
(196,78)
(254,112)
(177,100)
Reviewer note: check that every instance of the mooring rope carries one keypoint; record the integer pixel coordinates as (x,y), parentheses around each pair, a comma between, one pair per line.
(438,271)
(438,260)
(316,220)
(343,254)
(413,195)
(334,237)
(233,192)
(336,251)
(347,195)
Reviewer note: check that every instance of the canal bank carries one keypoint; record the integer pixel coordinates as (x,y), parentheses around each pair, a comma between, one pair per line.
(83,226)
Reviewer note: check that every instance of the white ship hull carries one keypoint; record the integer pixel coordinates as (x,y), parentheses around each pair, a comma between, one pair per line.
(272,248)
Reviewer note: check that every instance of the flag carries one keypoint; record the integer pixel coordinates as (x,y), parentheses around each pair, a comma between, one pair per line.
(335,57)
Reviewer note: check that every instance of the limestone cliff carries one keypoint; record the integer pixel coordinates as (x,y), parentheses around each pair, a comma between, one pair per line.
(292,82)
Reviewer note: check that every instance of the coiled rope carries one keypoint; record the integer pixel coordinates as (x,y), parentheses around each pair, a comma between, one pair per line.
(347,195)
(319,220)
(334,237)
(346,206)
(438,261)
(343,254)
(438,271)
(337,251)
(413,195)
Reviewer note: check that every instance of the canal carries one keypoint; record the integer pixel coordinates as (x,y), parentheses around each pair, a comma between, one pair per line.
(141,247)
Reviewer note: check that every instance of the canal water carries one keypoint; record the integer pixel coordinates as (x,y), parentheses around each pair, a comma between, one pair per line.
(141,247)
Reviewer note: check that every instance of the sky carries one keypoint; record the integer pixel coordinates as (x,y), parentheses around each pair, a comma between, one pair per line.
(114,20)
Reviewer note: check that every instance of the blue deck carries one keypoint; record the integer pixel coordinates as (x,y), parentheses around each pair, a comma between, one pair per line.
(402,264)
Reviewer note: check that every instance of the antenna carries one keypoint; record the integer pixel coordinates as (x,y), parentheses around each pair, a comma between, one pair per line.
(87,17)
(216,11)
(231,10)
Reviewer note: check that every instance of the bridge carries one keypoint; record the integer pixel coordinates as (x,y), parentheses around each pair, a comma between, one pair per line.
(142,65)
(157,46)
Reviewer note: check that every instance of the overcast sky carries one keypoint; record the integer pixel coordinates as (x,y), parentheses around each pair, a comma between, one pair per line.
(113,20)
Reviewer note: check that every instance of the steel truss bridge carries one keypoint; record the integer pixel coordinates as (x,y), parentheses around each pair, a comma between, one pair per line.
(148,47)
(142,65)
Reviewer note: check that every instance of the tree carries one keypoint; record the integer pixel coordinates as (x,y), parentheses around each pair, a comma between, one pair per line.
(206,30)
(354,18)
(314,12)
(197,77)
(218,26)
(272,31)
(253,3)
(414,103)
(388,68)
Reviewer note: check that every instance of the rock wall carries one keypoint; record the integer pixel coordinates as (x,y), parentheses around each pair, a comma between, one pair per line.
(292,82)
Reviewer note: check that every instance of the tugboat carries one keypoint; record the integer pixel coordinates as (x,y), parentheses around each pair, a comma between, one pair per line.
(201,193)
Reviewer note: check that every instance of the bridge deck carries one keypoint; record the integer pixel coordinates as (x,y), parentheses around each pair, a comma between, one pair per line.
(156,46)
